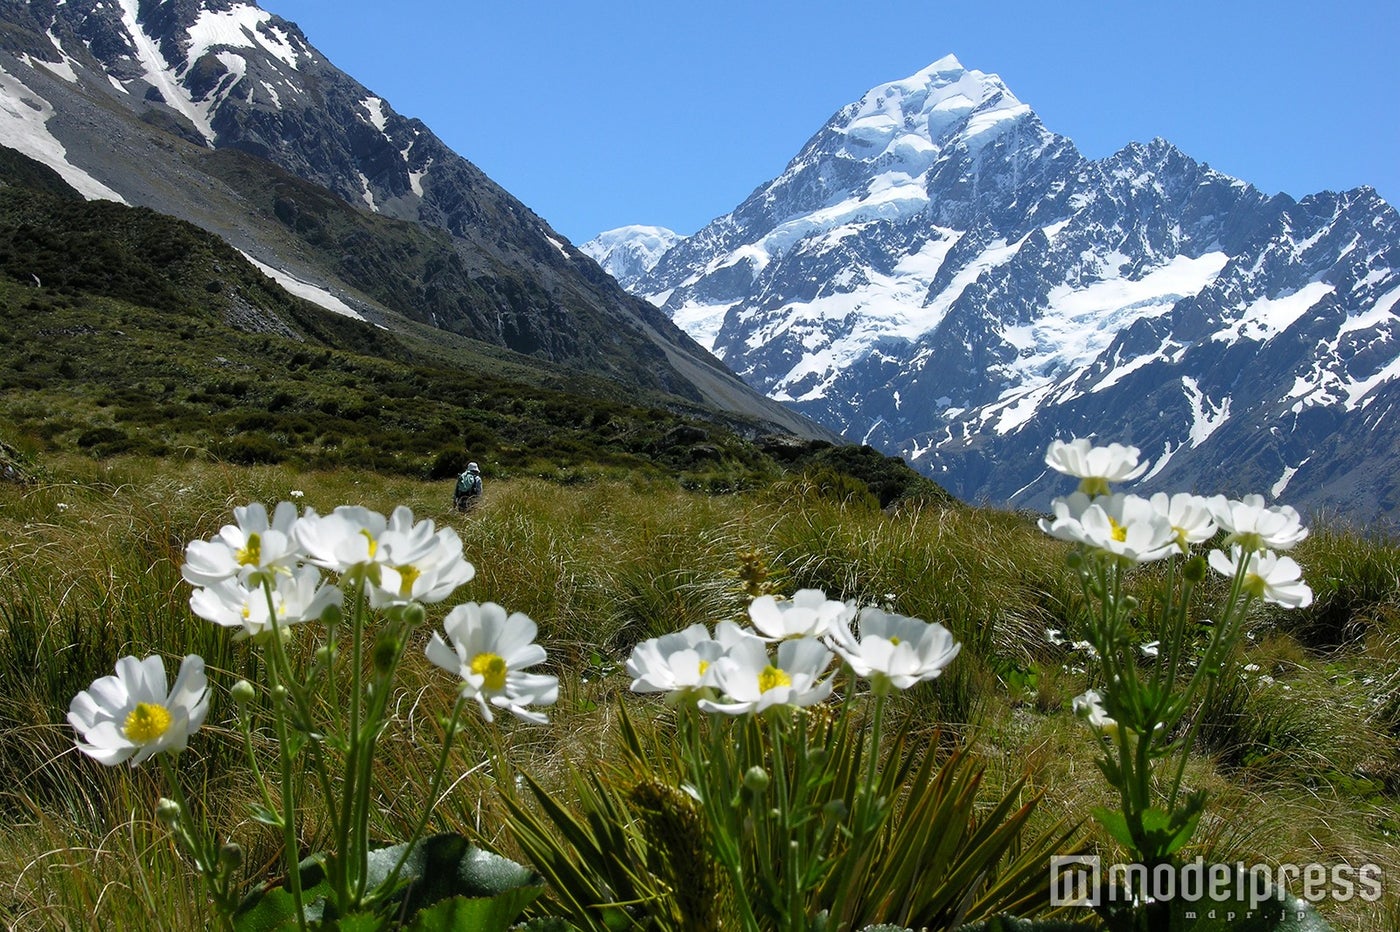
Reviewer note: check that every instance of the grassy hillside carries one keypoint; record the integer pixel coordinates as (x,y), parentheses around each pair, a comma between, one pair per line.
(1300,753)
(123,331)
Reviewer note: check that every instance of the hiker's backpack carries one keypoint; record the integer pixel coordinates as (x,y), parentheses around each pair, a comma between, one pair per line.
(468,483)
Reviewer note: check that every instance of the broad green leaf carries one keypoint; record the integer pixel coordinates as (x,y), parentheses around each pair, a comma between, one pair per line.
(1116,825)
(447,865)
(436,868)
(266,816)
(474,914)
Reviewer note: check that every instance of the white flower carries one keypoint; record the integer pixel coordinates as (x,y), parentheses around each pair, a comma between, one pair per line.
(488,650)
(403,560)
(679,664)
(1190,516)
(753,682)
(299,597)
(1151,648)
(251,549)
(1267,575)
(345,541)
(895,650)
(130,716)
(809,614)
(296,493)
(1086,648)
(1124,526)
(1055,636)
(420,564)
(1095,467)
(1256,527)
(1090,707)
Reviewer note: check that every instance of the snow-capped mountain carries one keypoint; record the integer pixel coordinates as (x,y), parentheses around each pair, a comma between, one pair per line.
(937,274)
(629,253)
(223,114)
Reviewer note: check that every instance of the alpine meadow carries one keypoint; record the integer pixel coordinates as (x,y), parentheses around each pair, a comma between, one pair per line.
(1036,576)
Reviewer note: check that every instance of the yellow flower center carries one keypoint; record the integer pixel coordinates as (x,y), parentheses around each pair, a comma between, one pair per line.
(408,575)
(772,678)
(894,640)
(1120,533)
(373,544)
(146,722)
(492,669)
(250,554)
(704,665)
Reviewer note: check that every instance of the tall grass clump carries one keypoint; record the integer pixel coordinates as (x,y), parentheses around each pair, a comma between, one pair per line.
(990,577)
(1357,587)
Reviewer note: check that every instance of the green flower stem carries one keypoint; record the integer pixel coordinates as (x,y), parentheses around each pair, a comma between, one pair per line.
(381,688)
(720,813)
(289,802)
(1173,647)
(779,730)
(433,788)
(301,701)
(1222,641)
(245,726)
(291,847)
(1124,701)
(352,857)
(869,814)
(202,847)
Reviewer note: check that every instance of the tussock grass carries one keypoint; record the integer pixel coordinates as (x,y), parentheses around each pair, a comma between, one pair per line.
(1304,766)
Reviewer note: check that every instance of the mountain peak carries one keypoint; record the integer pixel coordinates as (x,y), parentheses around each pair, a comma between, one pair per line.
(628,253)
(938,275)
(932,108)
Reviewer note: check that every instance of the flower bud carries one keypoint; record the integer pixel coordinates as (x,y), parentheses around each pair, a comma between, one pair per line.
(332,616)
(1195,569)
(324,655)
(413,614)
(230,857)
(242,692)
(168,813)
(756,779)
(385,652)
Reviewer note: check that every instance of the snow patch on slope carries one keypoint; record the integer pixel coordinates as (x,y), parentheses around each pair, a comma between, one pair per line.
(1266,318)
(1079,324)
(303,289)
(24,116)
(240,27)
(1206,416)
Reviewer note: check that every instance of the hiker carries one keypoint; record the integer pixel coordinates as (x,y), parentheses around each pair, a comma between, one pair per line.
(468,491)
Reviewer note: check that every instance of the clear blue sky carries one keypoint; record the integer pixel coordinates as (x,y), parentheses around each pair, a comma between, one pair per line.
(598,114)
